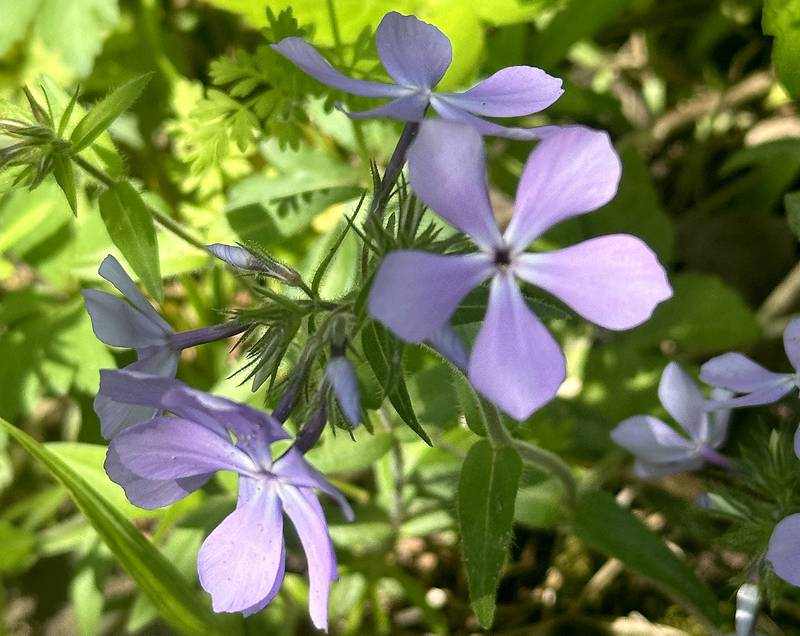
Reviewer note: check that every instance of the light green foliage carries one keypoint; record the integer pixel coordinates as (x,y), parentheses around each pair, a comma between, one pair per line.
(782,21)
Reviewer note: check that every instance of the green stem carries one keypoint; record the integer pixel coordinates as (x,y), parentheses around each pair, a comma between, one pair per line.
(167,222)
(499,437)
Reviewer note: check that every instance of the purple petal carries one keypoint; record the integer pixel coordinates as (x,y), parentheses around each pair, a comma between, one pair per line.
(415,293)
(341,373)
(736,372)
(449,345)
(276,586)
(406,108)
(652,441)
(240,561)
(784,549)
(112,271)
(571,172)
(515,361)
(414,53)
(115,416)
(452,113)
(447,170)
(309,60)
(237,256)
(120,324)
(791,342)
(645,470)
(307,517)
(718,419)
(614,281)
(150,493)
(514,91)
(173,448)
(292,468)
(681,397)
(767,395)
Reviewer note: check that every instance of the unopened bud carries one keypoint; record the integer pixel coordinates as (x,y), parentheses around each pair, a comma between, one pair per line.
(242,258)
(341,374)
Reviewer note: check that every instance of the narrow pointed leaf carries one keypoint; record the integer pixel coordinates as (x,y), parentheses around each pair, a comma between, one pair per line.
(376,342)
(65,177)
(99,118)
(154,575)
(605,526)
(131,228)
(67,114)
(487,492)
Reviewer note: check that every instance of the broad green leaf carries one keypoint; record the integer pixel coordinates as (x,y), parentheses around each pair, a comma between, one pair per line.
(29,218)
(17,17)
(781,19)
(176,602)
(605,526)
(102,115)
(131,228)
(341,454)
(792,203)
(385,362)
(469,402)
(703,315)
(487,491)
(18,548)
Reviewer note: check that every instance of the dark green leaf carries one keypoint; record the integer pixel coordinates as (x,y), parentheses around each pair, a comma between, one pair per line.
(605,526)
(65,177)
(99,118)
(131,228)
(155,575)
(487,491)
(385,361)
(470,404)
(792,203)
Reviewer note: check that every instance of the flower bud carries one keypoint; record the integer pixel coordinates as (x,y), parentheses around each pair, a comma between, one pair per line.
(242,258)
(341,374)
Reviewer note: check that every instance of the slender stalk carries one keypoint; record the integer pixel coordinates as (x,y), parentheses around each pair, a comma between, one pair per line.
(394,167)
(531,454)
(167,222)
(204,335)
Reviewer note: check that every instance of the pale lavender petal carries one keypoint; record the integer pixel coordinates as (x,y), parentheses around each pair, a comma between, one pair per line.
(614,281)
(569,173)
(645,470)
(173,448)
(652,441)
(115,416)
(276,586)
(513,91)
(413,52)
(150,493)
(791,342)
(767,395)
(452,113)
(308,520)
(681,397)
(447,170)
(415,293)
(406,108)
(237,256)
(736,372)
(112,271)
(515,361)
(718,419)
(292,468)
(341,373)
(309,60)
(240,561)
(120,324)
(450,346)
(784,549)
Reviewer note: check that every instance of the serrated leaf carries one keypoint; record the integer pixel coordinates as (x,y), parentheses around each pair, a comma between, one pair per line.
(792,203)
(487,491)
(376,341)
(131,228)
(65,178)
(605,526)
(176,602)
(99,118)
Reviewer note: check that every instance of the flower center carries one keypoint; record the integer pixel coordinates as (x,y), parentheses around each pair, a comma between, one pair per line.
(502,258)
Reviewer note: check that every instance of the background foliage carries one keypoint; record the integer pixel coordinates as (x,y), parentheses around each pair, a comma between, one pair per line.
(229,139)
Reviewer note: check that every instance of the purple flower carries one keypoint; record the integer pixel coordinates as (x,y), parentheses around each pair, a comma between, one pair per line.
(659,448)
(784,548)
(615,281)
(136,325)
(158,461)
(738,373)
(416,55)
(341,375)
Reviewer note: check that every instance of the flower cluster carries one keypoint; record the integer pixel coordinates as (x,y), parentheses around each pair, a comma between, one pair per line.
(167,439)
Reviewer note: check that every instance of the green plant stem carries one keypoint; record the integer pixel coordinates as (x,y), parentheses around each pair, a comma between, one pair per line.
(499,437)
(167,222)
